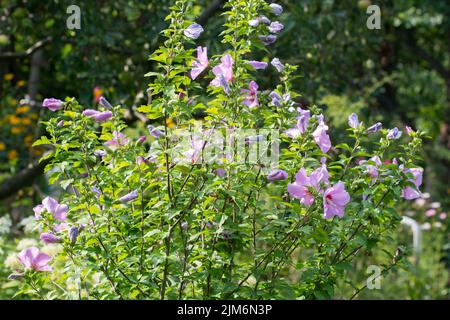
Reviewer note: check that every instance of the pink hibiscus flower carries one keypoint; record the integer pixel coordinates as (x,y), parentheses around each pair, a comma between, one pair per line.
(410,193)
(199,65)
(302,124)
(251,99)
(321,137)
(117,141)
(223,73)
(335,199)
(31,258)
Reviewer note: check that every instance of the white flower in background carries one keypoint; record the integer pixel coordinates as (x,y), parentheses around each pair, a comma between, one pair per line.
(410,213)
(5,225)
(26,243)
(426,195)
(29,224)
(71,284)
(420,202)
(437,225)
(12,262)
(52,249)
(96,278)
(425,226)
(435,205)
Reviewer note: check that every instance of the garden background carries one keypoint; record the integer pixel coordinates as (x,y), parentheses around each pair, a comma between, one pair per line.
(398,75)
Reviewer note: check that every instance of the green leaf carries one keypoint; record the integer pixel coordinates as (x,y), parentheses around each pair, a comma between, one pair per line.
(41,141)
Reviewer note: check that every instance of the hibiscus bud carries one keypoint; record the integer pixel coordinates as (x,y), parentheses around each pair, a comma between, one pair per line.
(394,134)
(105,103)
(38,211)
(96,191)
(264,20)
(73,234)
(100,153)
(375,128)
(193,31)
(277,64)
(226,235)
(102,116)
(60,123)
(268,40)
(129,197)
(49,238)
(154,132)
(258,64)
(276,27)
(184,225)
(276,9)
(253,23)
(141,139)
(209,224)
(277,175)
(353,121)
(409,130)
(276,99)
(89,112)
(15,276)
(140,160)
(52,104)
(221,172)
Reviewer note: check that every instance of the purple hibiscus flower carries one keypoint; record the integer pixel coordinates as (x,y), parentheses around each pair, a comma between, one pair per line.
(321,137)
(202,62)
(277,175)
(223,73)
(251,97)
(52,104)
(31,258)
(193,31)
(335,199)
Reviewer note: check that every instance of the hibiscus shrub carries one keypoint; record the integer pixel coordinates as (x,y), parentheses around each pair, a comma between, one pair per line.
(150,218)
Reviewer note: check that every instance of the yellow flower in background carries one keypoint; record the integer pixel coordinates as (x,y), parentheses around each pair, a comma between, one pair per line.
(170,123)
(12,154)
(13,120)
(21,83)
(28,140)
(2,146)
(98,92)
(8,76)
(37,151)
(22,109)
(16,130)
(26,121)
(11,101)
